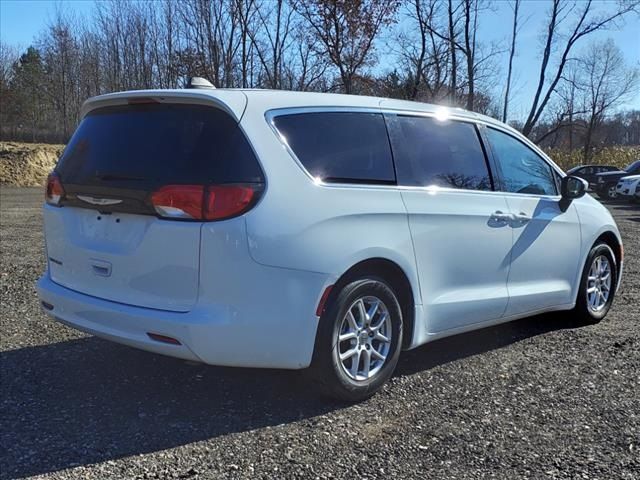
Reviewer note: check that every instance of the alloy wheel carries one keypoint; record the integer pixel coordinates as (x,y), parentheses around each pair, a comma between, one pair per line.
(599,283)
(364,338)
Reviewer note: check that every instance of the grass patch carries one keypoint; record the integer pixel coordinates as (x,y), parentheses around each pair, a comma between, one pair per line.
(617,156)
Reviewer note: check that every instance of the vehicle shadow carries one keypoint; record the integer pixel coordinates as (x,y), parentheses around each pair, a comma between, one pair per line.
(480,341)
(628,206)
(86,401)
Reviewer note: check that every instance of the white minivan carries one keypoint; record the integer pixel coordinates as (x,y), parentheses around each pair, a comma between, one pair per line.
(276,229)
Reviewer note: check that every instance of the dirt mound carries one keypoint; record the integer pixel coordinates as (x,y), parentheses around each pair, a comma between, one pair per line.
(27,164)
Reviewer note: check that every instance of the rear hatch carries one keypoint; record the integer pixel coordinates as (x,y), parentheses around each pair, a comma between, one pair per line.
(129,196)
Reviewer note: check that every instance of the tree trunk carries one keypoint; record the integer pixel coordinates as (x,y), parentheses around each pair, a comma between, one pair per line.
(469,41)
(512,52)
(452,48)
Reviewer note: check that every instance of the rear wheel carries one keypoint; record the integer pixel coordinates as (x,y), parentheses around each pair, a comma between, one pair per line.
(597,286)
(358,341)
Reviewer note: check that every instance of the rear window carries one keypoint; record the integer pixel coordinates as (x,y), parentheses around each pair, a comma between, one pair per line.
(429,152)
(149,145)
(342,147)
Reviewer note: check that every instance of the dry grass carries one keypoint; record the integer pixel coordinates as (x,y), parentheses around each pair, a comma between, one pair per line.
(616,156)
(27,164)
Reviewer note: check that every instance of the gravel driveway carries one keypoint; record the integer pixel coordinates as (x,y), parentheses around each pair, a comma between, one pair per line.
(536,398)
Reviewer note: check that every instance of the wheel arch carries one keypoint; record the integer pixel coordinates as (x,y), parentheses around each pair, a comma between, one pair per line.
(397,279)
(612,240)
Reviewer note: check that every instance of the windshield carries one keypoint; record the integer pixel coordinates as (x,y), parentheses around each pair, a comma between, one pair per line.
(633,167)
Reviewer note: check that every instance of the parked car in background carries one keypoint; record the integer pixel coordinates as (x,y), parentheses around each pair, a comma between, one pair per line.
(606,182)
(589,172)
(628,186)
(279,229)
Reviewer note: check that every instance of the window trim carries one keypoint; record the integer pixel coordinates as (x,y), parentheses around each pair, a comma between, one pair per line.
(554,171)
(479,121)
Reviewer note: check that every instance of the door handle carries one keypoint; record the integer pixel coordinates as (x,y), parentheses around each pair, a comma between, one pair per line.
(522,217)
(501,216)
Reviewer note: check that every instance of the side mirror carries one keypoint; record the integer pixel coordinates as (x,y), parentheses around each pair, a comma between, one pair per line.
(573,187)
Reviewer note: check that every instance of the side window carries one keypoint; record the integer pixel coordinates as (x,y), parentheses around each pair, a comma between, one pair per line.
(523,170)
(341,147)
(431,152)
(586,171)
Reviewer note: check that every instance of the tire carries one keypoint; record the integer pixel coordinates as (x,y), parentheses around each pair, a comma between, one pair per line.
(340,379)
(587,311)
(611,192)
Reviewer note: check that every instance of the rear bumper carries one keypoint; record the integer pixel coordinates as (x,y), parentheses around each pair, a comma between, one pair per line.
(212,334)
(118,322)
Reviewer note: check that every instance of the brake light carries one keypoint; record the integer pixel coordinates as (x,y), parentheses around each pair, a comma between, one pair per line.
(197,202)
(54,190)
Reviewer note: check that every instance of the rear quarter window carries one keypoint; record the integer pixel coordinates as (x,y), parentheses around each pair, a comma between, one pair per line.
(340,147)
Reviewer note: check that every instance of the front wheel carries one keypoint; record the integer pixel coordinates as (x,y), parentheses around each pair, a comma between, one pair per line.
(597,286)
(359,340)
(612,193)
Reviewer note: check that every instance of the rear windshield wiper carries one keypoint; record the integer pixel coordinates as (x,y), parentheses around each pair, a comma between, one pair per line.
(108,177)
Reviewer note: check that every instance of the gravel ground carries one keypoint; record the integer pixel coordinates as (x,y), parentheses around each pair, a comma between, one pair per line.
(535,398)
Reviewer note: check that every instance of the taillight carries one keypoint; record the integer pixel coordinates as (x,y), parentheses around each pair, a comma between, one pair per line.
(179,201)
(54,190)
(224,201)
(198,202)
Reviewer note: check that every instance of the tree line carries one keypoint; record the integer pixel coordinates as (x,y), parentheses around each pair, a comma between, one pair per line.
(425,50)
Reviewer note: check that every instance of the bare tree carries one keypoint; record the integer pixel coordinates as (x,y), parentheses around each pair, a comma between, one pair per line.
(477,59)
(453,46)
(606,83)
(320,45)
(61,55)
(460,35)
(273,39)
(565,113)
(512,52)
(306,69)
(586,22)
(212,34)
(470,15)
(8,57)
(424,55)
(346,31)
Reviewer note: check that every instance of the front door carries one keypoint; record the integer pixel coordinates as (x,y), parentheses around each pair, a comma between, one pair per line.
(546,238)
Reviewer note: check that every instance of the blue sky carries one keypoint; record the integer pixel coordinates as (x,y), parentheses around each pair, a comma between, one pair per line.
(21,20)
